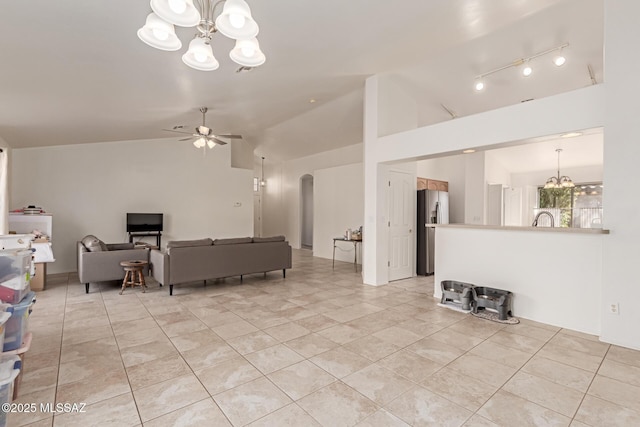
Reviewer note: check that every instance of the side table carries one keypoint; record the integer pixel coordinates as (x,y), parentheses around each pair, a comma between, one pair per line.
(131,270)
(355,250)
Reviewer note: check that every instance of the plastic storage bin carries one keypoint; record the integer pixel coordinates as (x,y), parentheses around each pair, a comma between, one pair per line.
(9,370)
(15,273)
(4,316)
(16,326)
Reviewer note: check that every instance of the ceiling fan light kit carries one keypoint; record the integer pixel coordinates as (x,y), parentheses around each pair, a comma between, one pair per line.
(204,136)
(234,21)
(559,60)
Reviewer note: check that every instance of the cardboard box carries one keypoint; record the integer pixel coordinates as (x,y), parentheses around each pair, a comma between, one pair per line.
(39,280)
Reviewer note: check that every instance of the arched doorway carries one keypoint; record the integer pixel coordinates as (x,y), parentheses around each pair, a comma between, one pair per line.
(306,212)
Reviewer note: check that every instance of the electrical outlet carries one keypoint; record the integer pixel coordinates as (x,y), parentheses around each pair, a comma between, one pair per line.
(614,308)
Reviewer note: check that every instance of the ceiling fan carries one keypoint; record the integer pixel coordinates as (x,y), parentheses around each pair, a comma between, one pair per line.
(204,135)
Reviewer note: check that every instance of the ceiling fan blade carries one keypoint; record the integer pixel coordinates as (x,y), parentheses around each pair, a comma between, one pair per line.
(229,136)
(176,131)
(217,141)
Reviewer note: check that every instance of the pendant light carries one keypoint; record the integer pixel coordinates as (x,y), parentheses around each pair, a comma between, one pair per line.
(559,181)
(262,181)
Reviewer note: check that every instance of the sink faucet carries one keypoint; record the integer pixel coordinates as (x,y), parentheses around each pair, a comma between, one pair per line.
(535,220)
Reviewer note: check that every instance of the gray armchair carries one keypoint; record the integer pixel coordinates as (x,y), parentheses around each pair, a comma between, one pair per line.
(100,262)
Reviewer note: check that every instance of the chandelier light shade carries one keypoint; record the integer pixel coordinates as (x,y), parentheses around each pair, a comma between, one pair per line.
(200,55)
(159,34)
(231,18)
(559,181)
(247,53)
(262,181)
(236,22)
(178,12)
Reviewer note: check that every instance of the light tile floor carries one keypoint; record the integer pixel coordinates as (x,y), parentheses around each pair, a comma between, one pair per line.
(316,348)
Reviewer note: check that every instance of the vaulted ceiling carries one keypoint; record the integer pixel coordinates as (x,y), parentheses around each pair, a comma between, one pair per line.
(75,72)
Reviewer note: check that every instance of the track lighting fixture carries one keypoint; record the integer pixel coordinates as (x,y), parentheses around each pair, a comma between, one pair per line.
(527,69)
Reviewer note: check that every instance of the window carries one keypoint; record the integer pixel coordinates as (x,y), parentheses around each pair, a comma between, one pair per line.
(579,206)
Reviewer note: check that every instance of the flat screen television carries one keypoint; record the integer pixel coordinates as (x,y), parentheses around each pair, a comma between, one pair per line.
(139,222)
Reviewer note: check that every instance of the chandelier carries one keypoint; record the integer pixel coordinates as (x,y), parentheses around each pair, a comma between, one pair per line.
(233,21)
(559,181)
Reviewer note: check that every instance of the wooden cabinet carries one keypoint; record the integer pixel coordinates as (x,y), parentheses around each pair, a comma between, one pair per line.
(432,184)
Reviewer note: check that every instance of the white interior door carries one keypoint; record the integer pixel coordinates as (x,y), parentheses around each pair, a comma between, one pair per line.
(402,201)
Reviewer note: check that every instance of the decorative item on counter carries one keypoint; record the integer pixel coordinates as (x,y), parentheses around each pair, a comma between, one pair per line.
(30,210)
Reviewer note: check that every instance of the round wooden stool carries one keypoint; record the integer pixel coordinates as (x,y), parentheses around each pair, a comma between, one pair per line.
(131,269)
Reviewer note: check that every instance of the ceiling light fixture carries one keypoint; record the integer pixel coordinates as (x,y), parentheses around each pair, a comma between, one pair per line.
(527,70)
(570,134)
(262,181)
(469,151)
(559,181)
(234,21)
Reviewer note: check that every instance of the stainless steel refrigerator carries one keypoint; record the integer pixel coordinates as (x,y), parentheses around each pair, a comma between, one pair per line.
(433,208)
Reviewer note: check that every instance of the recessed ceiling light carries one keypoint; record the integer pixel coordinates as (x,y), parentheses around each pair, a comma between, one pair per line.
(526,71)
(312,100)
(469,151)
(570,134)
(559,61)
(479,85)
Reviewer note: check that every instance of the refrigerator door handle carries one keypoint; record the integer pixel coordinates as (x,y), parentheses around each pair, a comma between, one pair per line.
(438,214)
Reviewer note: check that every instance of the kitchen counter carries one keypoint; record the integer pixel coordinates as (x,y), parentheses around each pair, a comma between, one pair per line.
(555,274)
(514,228)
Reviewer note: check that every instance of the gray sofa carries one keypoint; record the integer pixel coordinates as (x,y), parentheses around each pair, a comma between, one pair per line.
(196,260)
(100,262)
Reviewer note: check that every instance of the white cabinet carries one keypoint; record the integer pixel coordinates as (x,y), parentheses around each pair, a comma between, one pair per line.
(23,224)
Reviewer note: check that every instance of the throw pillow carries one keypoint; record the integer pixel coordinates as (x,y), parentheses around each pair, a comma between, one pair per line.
(93,244)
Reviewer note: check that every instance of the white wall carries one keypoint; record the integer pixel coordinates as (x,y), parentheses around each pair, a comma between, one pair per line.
(89,188)
(281,202)
(338,205)
(452,170)
(546,289)
(475,189)
(398,110)
(621,153)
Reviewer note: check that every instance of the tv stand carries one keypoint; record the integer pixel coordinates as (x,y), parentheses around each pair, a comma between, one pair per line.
(158,235)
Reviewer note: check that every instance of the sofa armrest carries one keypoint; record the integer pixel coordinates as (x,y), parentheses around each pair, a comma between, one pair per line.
(103,266)
(159,264)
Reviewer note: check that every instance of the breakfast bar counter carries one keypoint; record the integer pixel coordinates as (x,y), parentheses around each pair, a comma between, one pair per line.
(555,274)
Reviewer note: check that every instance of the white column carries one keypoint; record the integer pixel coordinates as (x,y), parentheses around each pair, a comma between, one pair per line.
(620,278)
(374,268)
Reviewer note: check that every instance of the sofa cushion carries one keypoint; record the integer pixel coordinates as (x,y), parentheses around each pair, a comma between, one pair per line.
(268,239)
(233,241)
(93,244)
(188,243)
